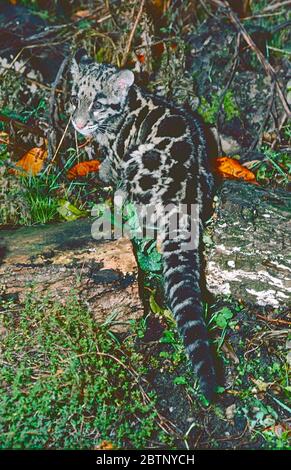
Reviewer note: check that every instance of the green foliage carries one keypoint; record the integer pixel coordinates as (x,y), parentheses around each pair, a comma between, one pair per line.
(222,317)
(40,197)
(68,211)
(67,383)
(209,110)
(149,259)
(276,166)
(264,415)
(14,208)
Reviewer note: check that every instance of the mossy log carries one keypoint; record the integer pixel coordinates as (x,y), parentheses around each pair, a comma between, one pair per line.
(249,253)
(246,252)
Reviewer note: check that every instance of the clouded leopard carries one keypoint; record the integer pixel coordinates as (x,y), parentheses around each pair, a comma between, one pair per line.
(159,155)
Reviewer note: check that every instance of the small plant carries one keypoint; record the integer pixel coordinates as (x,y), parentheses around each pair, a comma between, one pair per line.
(14,208)
(275,167)
(209,110)
(221,319)
(42,202)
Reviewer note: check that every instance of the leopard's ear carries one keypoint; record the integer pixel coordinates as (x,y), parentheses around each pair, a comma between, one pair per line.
(121,81)
(80,59)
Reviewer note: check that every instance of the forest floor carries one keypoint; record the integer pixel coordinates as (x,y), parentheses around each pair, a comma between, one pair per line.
(68,382)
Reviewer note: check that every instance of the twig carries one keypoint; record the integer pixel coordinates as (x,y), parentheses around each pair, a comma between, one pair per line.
(132,33)
(231,77)
(267,15)
(53,113)
(266,65)
(12,63)
(259,135)
(61,140)
(277,5)
(203,5)
(274,320)
(283,120)
(33,130)
(52,100)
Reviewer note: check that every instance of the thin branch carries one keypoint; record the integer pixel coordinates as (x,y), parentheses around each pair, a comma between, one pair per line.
(61,140)
(20,125)
(132,33)
(52,151)
(266,65)
(277,5)
(274,320)
(229,82)
(52,100)
(259,135)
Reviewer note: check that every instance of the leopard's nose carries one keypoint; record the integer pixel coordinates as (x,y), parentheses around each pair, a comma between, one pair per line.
(80,123)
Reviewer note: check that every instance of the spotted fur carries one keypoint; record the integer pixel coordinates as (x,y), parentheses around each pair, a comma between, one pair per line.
(158,154)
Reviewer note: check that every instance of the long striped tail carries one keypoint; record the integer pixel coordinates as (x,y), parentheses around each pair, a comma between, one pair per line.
(182,272)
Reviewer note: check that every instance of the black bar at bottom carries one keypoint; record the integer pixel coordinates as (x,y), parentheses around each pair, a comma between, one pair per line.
(128,458)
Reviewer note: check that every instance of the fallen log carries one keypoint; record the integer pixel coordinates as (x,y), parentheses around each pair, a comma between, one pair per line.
(249,254)
(62,260)
(246,252)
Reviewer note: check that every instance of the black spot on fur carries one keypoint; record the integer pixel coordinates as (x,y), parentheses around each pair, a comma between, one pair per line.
(134,102)
(163,144)
(100,96)
(132,170)
(141,116)
(151,160)
(147,182)
(145,198)
(128,155)
(178,172)
(149,122)
(181,151)
(172,190)
(115,107)
(123,136)
(172,126)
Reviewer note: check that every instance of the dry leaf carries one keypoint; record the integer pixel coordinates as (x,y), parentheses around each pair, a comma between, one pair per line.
(104,445)
(82,169)
(230,412)
(4,138)
(278,429)
(242,8)
(141,58)
(32,162)
(261,385)
(229,351)
(230,168)
(80,14)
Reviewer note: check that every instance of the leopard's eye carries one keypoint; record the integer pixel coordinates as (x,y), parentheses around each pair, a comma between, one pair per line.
(74,100)
(97,105)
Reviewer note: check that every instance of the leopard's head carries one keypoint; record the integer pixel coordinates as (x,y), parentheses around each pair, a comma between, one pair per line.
(99,93)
